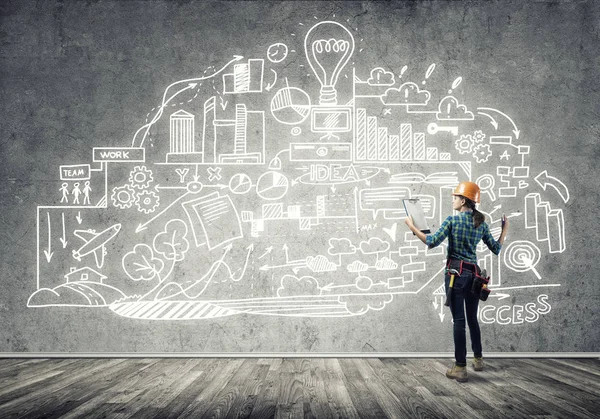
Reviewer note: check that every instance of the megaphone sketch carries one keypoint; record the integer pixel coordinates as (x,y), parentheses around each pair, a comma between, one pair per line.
(95,242)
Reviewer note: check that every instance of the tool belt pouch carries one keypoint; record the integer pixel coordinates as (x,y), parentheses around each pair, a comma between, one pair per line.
(480,285)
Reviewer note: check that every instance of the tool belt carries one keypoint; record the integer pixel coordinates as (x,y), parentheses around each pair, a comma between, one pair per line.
(459,265)
(480,280)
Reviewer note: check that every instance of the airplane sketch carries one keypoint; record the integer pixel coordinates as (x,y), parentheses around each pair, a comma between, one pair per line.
(95,243)
(248,190)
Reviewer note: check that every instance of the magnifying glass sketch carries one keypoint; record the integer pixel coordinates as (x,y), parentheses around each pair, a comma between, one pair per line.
(486,184)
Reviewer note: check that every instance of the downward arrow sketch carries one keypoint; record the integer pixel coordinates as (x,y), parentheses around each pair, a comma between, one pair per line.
(49,252)
(63,239)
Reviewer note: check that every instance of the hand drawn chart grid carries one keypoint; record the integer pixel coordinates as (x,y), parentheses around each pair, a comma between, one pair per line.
(254,196)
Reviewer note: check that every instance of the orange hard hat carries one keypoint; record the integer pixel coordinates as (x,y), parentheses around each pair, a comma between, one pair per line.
(468,190)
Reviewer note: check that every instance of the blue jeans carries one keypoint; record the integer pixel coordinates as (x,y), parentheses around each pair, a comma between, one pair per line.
(462,299)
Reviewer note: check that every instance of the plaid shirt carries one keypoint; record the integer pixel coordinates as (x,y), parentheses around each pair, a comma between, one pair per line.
(463,237)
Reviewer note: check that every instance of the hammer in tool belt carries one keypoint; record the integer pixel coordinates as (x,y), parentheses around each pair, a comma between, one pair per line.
(453,273)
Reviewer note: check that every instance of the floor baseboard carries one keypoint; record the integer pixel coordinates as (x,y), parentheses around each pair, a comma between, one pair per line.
(290,355)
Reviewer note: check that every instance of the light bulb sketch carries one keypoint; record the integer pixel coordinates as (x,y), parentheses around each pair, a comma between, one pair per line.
(328,47)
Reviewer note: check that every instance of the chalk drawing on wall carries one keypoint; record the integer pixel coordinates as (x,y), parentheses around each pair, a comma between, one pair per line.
(95,243)
(273,186)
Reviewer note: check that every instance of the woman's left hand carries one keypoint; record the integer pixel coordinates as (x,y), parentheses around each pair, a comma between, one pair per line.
(409,222)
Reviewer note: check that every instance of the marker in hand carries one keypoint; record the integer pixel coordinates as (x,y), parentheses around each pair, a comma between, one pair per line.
(503,221)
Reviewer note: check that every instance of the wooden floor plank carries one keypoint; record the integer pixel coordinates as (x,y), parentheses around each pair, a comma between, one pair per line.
(76,394)
(51,398)
(583,382)
(170,388)
(266,401)
(556,394)
(588,366)
(239,386)
(338,397)
(219,380)
(161,380)
(207,368)
(395,399)
(362,398)
(315,398)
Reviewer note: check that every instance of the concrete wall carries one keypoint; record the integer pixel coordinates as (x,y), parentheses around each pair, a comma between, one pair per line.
(228,177)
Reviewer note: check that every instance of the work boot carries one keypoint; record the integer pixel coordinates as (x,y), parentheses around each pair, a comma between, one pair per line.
(458,373)
(478,364)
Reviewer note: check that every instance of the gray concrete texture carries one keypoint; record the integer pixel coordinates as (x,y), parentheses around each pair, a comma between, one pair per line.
(244,209)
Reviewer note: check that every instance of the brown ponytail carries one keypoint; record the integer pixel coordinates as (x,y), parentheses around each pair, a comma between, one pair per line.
(478,217)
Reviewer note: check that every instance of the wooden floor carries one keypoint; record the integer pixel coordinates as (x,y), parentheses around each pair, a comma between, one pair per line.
(296,388)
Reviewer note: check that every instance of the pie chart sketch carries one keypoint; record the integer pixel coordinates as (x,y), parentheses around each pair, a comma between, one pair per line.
(290,105)
(240,184)
(272,185)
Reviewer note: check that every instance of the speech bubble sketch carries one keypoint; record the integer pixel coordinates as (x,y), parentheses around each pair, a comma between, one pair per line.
(380,200)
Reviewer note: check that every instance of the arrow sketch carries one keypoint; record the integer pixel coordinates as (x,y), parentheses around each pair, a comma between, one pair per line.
(515,130)
(192,83)
(493,121)
(143,226)
(63,239)
(49,252)
(270,86)
(545,180)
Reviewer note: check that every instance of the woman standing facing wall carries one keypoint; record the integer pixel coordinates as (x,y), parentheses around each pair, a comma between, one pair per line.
(464,231)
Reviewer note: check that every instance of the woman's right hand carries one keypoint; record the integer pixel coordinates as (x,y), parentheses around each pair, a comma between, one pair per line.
(504,223)
(504,229)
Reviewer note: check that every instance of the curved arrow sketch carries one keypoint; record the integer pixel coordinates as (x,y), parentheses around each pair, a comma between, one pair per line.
(270,86)
(493,121)
(190,82)
(516,130)
(250,249)
(160,112)
(545,180)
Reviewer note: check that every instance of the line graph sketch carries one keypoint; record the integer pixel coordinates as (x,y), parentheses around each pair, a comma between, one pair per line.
(249,190)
